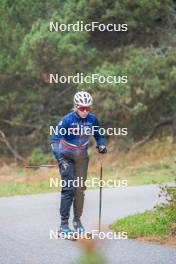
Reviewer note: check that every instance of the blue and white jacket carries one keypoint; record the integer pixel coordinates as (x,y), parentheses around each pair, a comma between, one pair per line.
(72,135)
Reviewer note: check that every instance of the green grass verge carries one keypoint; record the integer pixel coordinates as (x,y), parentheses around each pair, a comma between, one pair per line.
(156,173)
(146,174)
(11,189)
(157,222)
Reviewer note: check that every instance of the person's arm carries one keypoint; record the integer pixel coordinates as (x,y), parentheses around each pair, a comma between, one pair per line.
(99,138)
(56,137)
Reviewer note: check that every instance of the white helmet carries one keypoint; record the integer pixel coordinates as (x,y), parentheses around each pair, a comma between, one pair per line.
(83,98)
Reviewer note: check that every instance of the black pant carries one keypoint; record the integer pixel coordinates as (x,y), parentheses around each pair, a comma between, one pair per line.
(77,170)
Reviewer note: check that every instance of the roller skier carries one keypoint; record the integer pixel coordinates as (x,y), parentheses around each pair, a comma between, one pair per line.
(70,147)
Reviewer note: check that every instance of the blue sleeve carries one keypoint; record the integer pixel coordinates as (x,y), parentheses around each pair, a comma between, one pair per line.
(56,137)
(98,137)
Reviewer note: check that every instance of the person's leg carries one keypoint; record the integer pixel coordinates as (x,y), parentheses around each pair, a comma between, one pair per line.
(65,205)
(81,167)
(68,191)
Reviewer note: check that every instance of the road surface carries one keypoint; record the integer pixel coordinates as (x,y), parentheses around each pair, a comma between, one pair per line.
(26,222)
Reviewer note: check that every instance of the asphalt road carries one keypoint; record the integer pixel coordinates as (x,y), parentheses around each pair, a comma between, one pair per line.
(26,222)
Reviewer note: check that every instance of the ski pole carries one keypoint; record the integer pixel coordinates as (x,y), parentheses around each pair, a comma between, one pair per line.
(41,166)
(100,189)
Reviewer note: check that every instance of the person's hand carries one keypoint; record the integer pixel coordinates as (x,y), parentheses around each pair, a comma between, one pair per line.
(102,149)
(63,165)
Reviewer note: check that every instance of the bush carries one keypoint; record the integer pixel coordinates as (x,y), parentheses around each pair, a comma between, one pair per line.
(38,157)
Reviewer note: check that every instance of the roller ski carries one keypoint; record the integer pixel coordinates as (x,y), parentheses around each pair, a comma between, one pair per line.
(66,233)
(80,230)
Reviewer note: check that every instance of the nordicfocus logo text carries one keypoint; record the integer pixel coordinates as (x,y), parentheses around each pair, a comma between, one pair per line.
(81,78)
(88,183)
(88,131)
(92,26)
(94,234)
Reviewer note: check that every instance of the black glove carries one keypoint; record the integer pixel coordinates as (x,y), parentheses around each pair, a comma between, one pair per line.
(63,165)
(102,149)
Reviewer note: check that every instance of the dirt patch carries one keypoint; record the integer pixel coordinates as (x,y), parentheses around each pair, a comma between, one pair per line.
(167,241)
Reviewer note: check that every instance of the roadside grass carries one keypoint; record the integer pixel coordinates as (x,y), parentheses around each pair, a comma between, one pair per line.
(155,222)
(11,189)
(153,163)
(21,182)
(154,226)
(152,173)
(157,225)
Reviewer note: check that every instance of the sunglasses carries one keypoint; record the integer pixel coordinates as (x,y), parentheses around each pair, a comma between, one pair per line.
(84,108)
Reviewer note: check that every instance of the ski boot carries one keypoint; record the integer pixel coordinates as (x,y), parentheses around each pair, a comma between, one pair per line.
(78,227)
(66,233)
(80,230)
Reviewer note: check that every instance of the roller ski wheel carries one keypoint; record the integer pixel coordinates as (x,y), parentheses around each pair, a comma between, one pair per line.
(87,235)
(80,230)
(78,227)
(66,233)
